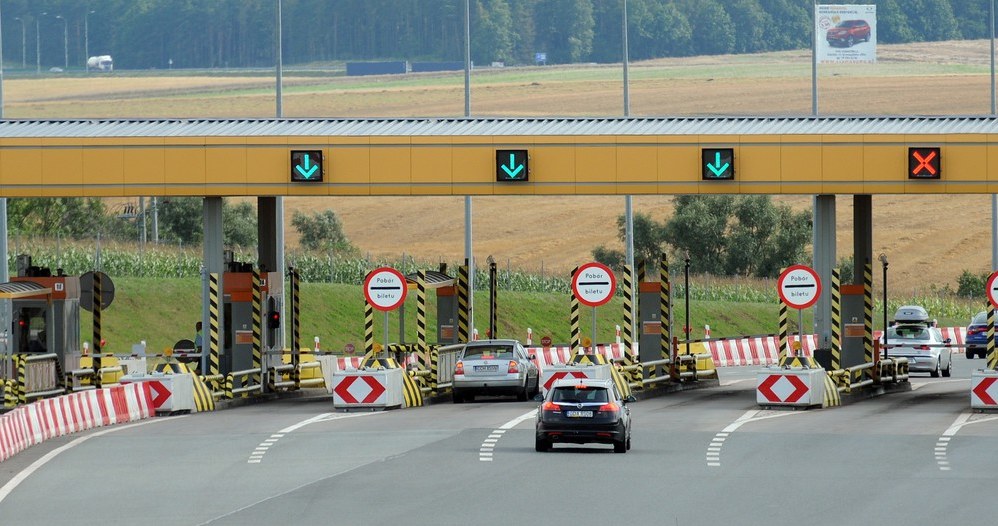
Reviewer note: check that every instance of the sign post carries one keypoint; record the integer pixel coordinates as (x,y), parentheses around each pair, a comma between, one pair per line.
(799,287)
(594,285)
(385,289)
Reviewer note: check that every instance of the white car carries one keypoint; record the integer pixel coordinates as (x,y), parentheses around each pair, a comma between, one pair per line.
(923,346)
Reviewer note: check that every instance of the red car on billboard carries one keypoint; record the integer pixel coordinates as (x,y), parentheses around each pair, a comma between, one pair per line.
(847,32)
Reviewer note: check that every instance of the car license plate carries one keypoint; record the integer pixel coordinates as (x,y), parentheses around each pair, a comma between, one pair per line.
(487,368)
(579,414)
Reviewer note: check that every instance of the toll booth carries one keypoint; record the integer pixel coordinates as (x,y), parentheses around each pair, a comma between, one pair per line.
(237,322)
(446,292)
(650,321)
(45,313)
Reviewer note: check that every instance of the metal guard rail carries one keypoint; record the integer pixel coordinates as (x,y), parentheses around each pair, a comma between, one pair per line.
(244,375)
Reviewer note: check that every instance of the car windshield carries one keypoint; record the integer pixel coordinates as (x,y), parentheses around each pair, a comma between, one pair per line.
(488,352)
(579,394)
(909,332)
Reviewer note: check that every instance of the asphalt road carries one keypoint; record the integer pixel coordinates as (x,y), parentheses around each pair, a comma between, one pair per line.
(707,456)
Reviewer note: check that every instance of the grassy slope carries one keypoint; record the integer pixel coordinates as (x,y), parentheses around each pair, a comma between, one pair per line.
(162,311)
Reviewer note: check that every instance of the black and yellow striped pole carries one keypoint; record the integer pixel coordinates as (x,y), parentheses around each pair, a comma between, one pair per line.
(368,328)
(213,324)
(21,363)
(641,272)
(868,312)
(462,303)
(627,336)
(836,321)
(296,327)
(666,350)
(784,332)
(257,329)
(421,347)
(992,356)
(573,318)
(97,329)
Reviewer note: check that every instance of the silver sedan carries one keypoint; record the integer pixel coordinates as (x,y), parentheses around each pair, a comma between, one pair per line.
(494,367)
(924,347)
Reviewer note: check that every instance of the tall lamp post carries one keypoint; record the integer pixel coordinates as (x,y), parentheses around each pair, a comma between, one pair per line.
(86,39)
(24,62)
(65,41)
(883,260)
(38,43)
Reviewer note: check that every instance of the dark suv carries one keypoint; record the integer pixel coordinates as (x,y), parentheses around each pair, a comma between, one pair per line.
(977,336)
(848,32)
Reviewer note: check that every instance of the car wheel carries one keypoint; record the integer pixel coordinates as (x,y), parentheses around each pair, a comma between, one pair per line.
(457,397)
(949,369)
(619,446)
(850,42)
(935,372)
(628,443)
(541,445)
(970,354)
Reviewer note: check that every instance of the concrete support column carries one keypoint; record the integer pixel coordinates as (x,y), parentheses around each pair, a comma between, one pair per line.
(853,301)
(214,263)
(824,261)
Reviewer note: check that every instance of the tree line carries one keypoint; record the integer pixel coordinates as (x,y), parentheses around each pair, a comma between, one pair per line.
(145,34)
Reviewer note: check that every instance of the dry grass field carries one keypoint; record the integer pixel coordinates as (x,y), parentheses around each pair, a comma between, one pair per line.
(930,239)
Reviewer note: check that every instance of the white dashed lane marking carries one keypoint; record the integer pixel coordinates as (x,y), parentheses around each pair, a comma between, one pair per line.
(754,415)
(487,450)
(256,456)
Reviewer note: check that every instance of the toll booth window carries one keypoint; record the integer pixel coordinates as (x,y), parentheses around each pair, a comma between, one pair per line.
(30,331)
(488,352)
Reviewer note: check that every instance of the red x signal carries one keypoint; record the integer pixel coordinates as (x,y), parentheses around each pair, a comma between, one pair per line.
(924,163)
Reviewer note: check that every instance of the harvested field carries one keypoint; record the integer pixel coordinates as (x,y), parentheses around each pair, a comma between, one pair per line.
(930,239)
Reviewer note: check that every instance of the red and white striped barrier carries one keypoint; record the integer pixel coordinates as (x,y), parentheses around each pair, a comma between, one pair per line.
(38,421)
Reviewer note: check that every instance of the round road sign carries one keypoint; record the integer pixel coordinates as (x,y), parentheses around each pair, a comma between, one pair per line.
(799,287)
(385,288)
(546,342)
(993,289)
(594,284)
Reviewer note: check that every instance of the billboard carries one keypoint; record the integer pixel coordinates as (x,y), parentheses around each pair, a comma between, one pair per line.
(846,33)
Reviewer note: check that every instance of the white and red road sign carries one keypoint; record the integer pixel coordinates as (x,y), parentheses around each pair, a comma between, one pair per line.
(779,388)
(984,389)
(992,289)
(160,393)
(385,288)
(358,389)
(594,284)
(561,375)
(799,286)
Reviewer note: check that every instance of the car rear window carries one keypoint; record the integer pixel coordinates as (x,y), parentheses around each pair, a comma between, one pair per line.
(577,394)
(906,332)
(488,352)
(981,318)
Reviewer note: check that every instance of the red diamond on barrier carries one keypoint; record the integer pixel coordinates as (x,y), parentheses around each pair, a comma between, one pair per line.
(563,374)
(766,388)
(982,391)
(343,389)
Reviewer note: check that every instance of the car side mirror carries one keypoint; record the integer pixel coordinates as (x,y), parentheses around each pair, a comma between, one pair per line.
(539,397)
(629,399)
(531,356)
(947,340)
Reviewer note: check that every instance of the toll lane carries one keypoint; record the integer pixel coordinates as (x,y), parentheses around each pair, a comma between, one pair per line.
(878,459)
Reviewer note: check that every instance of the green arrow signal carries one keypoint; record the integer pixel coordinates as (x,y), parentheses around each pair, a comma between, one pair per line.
(513,169)
(717,167)
(306,172)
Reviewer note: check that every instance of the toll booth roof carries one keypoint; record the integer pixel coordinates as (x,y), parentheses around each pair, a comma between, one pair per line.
(434,279)
(22,289)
